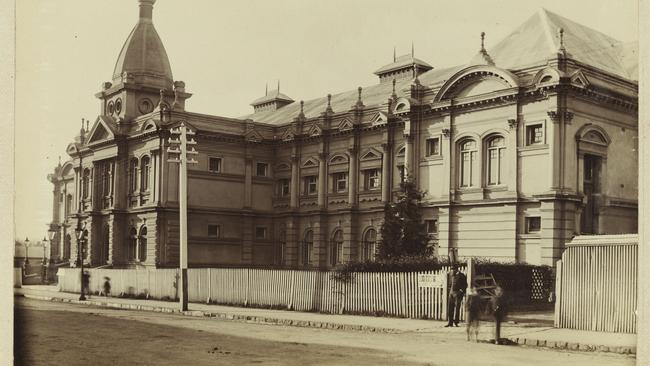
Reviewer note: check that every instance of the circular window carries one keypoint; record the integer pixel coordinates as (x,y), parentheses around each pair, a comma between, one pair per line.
(110,108)
(118,106)
(145,106)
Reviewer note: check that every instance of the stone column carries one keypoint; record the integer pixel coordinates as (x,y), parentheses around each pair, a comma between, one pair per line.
(295,182)
(353,185)
(553,139)
(386,172)
(408,155)
(322,181)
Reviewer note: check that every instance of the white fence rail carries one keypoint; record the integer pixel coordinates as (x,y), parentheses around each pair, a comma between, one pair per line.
(596,284)
(390,294)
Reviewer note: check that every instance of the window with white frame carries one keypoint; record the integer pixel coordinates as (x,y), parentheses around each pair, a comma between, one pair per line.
(262,169)
(496,149)
(467,164)
(144,171)
(133,175)
(340,182)
(433,146)
(283,187)
(369,245)
(372,179)
(533,224)
(214,164)
(311,184)
(535,134)
(214,230)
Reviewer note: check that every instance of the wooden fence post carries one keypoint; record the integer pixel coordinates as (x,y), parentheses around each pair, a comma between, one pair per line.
(290,305)
(444,295)
(209,299)
(558,293)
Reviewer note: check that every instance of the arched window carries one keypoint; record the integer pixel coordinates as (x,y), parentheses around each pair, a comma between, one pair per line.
(307,247)
(68,205)
(369,245)
(133,244)
(336,249)
(144,171)
(142,247)
(85,184)
(133,175)
(495,160)
(282,243)
(468,163)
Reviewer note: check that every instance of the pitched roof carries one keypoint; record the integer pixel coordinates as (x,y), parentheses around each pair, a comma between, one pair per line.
(271,96)
(530,44)
(401,62)
(537,40)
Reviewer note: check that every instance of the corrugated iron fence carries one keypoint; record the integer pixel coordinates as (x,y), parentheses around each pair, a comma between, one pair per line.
(596,286)
(392,294)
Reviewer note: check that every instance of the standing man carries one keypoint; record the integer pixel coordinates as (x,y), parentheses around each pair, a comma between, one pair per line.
(458,285)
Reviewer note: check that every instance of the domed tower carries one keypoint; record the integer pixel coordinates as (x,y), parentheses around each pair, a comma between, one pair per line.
(141,73)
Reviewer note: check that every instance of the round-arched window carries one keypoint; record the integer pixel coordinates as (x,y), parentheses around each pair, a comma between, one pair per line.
(369,244)
(307,247)
(336,248)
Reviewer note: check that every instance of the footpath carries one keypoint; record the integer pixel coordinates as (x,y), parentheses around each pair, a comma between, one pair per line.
(526,329)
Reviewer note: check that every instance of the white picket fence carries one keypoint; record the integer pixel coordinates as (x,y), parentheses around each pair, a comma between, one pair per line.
(390,294)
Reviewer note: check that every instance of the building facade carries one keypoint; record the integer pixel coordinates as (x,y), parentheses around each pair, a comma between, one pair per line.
(519,149)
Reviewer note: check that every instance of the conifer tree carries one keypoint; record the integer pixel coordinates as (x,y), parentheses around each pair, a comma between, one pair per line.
(403,232)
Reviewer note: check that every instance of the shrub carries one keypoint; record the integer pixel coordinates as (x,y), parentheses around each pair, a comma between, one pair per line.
(343,272)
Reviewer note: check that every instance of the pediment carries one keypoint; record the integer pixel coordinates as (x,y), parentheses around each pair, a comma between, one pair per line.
(288,135)
(309,163)
(149,125)
(339,159)
(72,149)
(345,124)
(594,136)
(100,132)
(578,78)
(379,118)
(314,130)
(282,167)
(253,136)
(370,154)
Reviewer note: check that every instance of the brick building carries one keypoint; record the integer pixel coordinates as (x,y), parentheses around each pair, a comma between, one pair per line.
(519,148)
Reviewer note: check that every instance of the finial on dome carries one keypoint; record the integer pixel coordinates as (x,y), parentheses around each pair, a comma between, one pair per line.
(59,160)
(561,36)
(266,92)
(394,95)
(359,89)
(329,100)
(394,54)
(146,9)
(482,41)
(302,106)
(412,49)
(359,101)
(87,122)
(487,60)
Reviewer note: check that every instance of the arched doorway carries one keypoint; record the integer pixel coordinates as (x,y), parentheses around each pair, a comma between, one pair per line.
(593,142)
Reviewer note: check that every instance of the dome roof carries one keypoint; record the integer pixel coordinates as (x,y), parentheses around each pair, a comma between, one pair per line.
(143,55)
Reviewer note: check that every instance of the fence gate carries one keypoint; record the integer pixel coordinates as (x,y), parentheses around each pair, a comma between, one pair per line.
(596,284)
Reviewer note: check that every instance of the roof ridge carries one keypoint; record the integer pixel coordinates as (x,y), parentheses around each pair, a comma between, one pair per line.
(550,40)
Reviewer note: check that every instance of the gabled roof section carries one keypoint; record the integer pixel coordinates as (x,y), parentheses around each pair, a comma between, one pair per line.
(401,62)
(273,95)
(537,40)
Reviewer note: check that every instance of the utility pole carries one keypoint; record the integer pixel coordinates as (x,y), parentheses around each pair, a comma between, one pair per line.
(178,154)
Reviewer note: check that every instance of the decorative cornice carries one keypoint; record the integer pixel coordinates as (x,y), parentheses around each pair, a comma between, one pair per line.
(512,123)
(555,115)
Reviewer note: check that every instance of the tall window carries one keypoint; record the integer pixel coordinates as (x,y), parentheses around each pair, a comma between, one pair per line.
(68,205)
(307,247)
(85,183)
(283,185)
(372,180)
(369,245)
(467,164)
(340,182)
(133,175)
(402,173)
(133,244)
(143,244)
(535,134)
(144,170)
(336,248)
(311,184)
(106,179)
(495,160)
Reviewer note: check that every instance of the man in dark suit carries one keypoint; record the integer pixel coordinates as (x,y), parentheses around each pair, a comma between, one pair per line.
(458,285)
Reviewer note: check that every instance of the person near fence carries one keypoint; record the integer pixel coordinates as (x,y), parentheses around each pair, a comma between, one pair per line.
(498,309)
(472,313)
(85,283)
(106,290)
(458,285)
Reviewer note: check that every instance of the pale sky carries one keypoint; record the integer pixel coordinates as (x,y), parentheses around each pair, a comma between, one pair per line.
(226,51)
